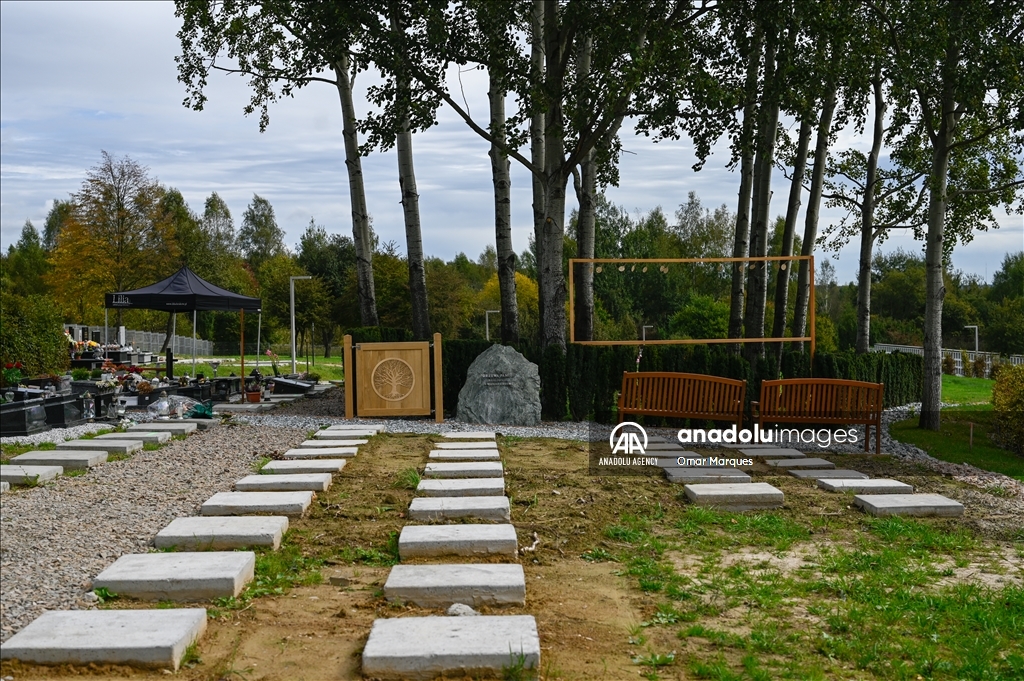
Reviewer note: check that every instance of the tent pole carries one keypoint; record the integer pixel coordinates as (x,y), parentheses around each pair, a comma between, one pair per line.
(106,325)
(193,343)
(259,332)
(242,348)
(174,332)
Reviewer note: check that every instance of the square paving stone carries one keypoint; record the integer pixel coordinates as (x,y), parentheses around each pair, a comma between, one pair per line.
(356,426)
(426,647)
(285,482)
(242,407)
(908,504)
(439,586)
(481,469)
(464,455)
(202,424)
(327,444)
(28,475)
(5,486)
(748,445)
(875,486)
(303,466)
(461,487)
(706,475)
(427,541)
(838,474)
(321,453)
(156,437)
(221,533)
(800,463)
(426,509)
(145,638)
(69,460)
(774,453)
(664,447)
(292,504)
(343,434)
(750,496)
(108,446)
(191,576)
(486,444)
(174,427)
(470,435)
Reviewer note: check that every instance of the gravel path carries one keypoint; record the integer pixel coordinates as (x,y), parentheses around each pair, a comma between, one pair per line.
(54,539)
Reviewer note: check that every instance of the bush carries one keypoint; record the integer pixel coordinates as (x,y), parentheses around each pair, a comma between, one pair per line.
(379,334)
(1008,402)
(965,364)
(948,364)
(980,367)
(32,332)
(80,374)
(993,371)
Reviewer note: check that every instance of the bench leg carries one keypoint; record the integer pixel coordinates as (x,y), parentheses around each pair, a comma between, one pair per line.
(867,437)
(878,438)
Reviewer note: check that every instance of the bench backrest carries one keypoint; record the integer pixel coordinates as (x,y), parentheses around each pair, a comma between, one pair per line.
(821,397)
(667,392)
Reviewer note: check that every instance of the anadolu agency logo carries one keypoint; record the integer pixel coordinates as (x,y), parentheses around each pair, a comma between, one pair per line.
(626,453)
(628,438)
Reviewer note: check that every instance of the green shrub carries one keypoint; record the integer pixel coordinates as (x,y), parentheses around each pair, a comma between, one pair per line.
(32,332)
(948,364)
(965,363)
(96,374)
(1008,403)
(980,367)
(80,374)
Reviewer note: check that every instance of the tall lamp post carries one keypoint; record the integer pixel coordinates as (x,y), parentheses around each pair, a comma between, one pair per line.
(291,291)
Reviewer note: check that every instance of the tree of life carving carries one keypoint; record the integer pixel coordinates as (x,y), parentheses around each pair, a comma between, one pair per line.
(393,379)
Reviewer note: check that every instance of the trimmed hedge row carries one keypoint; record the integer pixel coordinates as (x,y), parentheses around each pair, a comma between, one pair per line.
(379,334)
(581,383)
(32,332)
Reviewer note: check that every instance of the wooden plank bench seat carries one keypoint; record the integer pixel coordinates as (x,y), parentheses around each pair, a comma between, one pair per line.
(822,401)
(677,395)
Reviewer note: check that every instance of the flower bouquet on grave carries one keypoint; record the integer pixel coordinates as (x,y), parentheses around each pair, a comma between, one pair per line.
(12,373)
(273,361)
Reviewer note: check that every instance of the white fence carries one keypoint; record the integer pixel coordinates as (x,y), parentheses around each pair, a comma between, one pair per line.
(956,354)
(142,341)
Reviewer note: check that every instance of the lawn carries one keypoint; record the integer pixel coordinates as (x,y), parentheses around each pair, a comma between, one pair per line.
(330,369)
(963,390)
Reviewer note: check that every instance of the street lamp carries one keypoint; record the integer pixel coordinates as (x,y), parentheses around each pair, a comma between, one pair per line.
(487,322)
(644,331)
(291,290)
(975,327)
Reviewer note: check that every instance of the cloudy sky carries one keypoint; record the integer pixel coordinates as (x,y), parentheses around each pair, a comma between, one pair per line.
(79,78)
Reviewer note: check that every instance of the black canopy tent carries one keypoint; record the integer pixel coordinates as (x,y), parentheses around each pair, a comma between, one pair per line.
(186,291)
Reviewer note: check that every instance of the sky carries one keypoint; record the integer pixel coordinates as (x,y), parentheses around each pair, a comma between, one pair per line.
(84,77)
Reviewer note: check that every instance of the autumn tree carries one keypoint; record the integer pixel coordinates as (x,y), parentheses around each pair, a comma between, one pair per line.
(260,238)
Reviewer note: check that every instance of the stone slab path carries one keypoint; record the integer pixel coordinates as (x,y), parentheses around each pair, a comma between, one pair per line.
(461,487)
(425,647)
(14,474)
(466,445)
(221,533)
(174,427)
(800,463)
(482,469)
(876,486)
(432,541)
(464,455)
(321,452)
(292,504)
(109,446)
(706,475)
(753,496)
(157,437)
(179,576)
(147,638)
(428,509)
(836,473)
(918,505)
(285,482)
(69,460)
(325,444)
(470,435)
(439,586)
(343,434)
(774,453)
(303,466)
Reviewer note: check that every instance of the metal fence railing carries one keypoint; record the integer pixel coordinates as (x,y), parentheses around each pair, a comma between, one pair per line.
(142,341)
(956,354)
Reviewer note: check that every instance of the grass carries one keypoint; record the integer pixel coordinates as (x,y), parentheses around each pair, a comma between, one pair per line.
(276,572)
(953,440)
(963,390)
(408,478)
(330,369)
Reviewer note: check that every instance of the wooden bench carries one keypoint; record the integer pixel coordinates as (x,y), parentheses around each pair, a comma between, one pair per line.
(822,401)
(676,395)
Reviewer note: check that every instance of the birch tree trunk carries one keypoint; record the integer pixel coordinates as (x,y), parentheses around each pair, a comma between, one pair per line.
(792,212)
(585,223)
(742,236)
(361,237)
(803,287)
(503,218)
(867,224)
(537,138)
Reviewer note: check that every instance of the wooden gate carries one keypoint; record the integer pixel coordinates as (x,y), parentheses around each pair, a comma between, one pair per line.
(393,379)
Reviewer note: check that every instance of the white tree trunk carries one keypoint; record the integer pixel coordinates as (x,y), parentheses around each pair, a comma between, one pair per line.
(867,225)
(503,218)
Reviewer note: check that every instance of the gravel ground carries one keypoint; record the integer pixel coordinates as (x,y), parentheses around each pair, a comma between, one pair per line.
(57,537)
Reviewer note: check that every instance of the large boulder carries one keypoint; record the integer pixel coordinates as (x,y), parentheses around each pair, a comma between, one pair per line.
(502,387)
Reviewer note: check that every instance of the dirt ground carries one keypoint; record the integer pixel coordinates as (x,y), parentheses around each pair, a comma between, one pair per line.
(585,610)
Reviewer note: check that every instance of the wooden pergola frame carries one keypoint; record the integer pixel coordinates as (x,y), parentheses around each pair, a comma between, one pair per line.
(693,341)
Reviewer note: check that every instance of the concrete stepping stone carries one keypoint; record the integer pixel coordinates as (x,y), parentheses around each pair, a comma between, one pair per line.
(908,504)
(303,466)
(480,469)
(243,407)
(426,647)
(461,487)
(875,486)
(145,638)
(706,475)
(487,444)
(838,474)
(202,424)
(108,446)
(343,434)
(69,460)
(327,444)
(175,427)
(191,576)
(5,486)
(430,541)
(664,447)
(438,586)
(470,435)
(753,496)
(377,428)
(800,463)
(747,445)
(292,504)
(465,455)
(14,474)
(285,482)
(774,453)
(321,453)
(426,509)
(221,533)
(156,437)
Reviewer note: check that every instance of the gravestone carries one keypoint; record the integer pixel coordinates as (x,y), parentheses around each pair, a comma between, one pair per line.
(502,387)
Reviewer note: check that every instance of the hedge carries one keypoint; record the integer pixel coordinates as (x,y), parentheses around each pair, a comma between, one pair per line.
(379,334)
(581,383)
(32,332)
